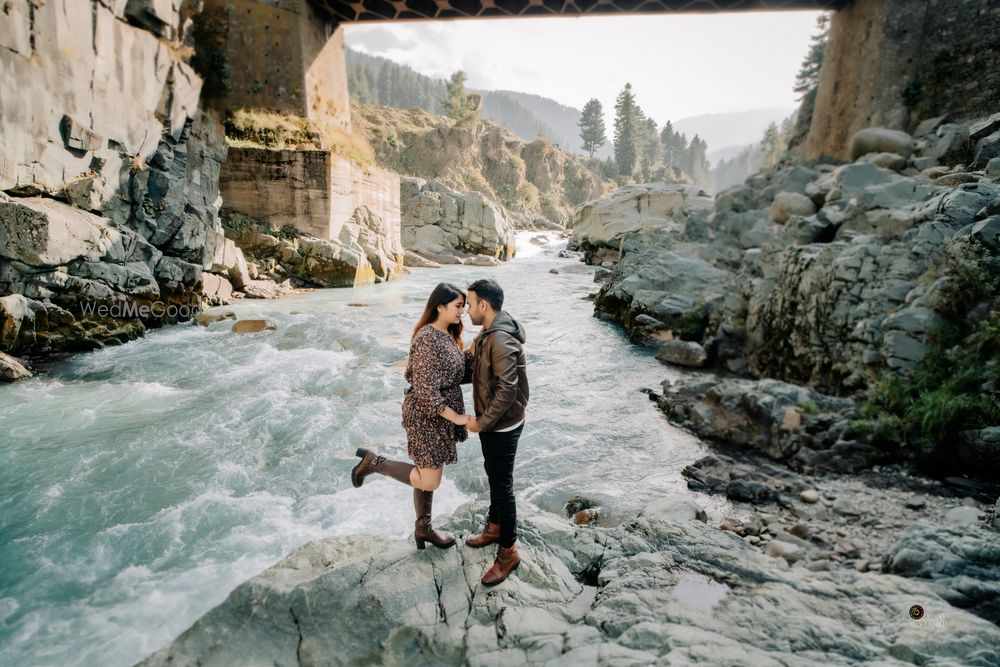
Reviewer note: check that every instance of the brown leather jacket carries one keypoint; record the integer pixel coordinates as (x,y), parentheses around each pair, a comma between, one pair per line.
(495,366)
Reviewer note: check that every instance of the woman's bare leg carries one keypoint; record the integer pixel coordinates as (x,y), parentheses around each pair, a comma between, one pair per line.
(425,479)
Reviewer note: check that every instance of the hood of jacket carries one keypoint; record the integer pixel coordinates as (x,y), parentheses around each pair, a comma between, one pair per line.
(504,322)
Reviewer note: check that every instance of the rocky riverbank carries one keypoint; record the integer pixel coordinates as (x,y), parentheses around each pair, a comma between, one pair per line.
(664,587)
(852,310)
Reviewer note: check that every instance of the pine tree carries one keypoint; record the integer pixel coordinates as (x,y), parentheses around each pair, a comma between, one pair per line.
(591,124)
(357,83)
(650,148)
(667,143)
(457,104)
(808,77)
(626,131)
(681,149)
(770,147)
(700,169)
(382,84)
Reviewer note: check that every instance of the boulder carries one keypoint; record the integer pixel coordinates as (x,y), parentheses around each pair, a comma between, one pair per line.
(993,168)
(481,260)
(787,204)
(45,233)
(682,353)
(632,208)
(985,150)
(959,562)
(675,508)
(984,127)
(11,369)
(950,145)
(228,260)
(881,140)
(413,259)
(957,178)
(208,317)
(885,160)
(14,312)
(651,279)
(437,220)
(216,289)
(253,326)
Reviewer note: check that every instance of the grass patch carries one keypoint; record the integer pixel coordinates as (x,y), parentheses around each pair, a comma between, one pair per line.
(253,128)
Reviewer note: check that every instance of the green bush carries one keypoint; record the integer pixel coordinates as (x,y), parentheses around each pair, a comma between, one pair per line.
(956,387)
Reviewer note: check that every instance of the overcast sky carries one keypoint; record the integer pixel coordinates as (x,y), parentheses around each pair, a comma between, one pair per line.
(679,65)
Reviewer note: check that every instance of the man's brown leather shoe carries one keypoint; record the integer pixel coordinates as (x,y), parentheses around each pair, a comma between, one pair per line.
(489,535)
(506,562)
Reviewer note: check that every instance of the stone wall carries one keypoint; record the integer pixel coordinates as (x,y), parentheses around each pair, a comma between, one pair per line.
(313,191)
(352,209)
(284,56)
(891,63)
(353,185)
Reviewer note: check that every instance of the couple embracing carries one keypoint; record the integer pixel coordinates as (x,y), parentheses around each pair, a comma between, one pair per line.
(434,413)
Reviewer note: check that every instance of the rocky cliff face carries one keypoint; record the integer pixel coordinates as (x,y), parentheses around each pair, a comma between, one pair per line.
(891,63)
(862,279)
(111,220)
(527,180)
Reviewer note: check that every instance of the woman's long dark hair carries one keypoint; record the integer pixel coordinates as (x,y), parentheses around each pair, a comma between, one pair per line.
(442,295)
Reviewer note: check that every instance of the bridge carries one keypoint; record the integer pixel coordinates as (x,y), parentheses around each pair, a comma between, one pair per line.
(401,10)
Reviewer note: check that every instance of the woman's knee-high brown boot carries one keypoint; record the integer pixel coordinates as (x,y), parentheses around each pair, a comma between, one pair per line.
(423,531)
(372,462)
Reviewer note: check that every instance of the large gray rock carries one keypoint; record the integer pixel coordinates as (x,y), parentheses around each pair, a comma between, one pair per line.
(438,221)
(773,417)
(950,145)
(672,591)
(985,150)
(682,353)
(11,369)
(960,563)
(881,140)
(787,204)
(631,208)
(678,290)
(46,233)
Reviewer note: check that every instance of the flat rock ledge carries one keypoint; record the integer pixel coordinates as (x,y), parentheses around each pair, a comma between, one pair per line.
(663,588)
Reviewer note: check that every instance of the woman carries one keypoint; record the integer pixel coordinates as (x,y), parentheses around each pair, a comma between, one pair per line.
(433,409)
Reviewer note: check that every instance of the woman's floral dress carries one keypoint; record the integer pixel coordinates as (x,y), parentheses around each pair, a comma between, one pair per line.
(435,370)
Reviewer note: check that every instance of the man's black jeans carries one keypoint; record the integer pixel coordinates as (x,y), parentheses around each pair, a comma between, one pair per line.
(499,450)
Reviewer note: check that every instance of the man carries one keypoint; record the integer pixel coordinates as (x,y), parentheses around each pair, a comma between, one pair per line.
(500,393)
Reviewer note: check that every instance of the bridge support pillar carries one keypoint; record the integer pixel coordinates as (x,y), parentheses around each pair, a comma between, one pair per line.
(283,56)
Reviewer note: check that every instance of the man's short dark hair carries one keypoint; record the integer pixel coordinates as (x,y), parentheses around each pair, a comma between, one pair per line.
(489,291)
